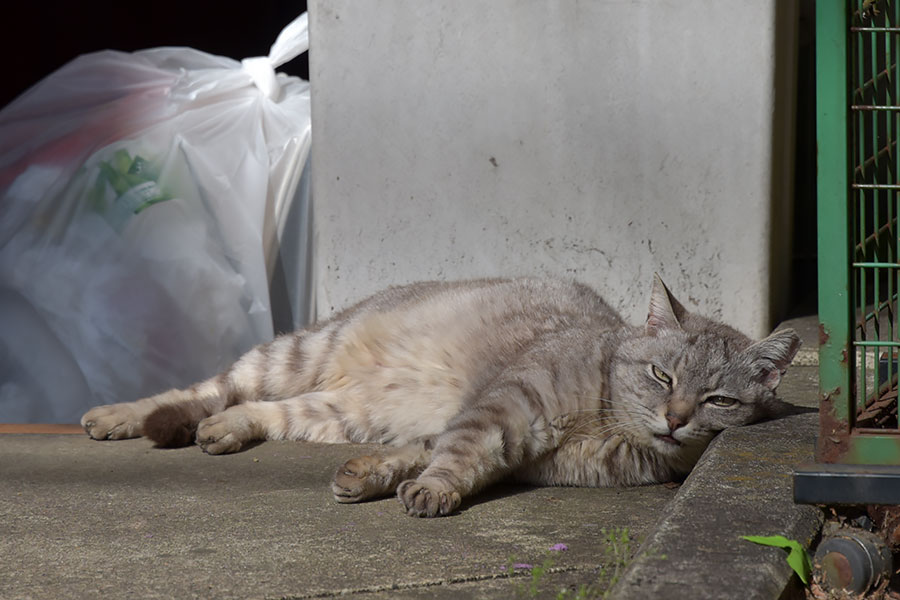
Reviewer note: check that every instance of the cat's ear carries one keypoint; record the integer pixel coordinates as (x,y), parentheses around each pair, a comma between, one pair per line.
(665,311)
(771,356)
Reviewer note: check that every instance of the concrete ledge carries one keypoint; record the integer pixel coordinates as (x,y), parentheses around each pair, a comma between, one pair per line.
(742,486)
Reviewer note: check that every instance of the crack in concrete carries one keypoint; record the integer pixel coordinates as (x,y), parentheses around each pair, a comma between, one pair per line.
(426,584)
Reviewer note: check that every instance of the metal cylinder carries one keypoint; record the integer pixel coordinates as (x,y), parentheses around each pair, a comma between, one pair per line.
(852,560)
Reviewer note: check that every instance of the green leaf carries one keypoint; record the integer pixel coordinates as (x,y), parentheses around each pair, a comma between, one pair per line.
(797,557)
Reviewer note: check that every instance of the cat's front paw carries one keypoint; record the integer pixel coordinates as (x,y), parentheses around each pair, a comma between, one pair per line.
(358,480)
(113,422)
(224,432)
(427,498)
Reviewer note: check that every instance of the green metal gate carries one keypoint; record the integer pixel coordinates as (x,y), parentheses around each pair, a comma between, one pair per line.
(858,127)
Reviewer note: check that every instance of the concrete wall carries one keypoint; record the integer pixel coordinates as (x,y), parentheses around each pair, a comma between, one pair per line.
(603,140)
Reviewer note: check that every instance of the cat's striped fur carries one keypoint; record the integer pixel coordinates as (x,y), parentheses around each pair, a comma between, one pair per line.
(476,381)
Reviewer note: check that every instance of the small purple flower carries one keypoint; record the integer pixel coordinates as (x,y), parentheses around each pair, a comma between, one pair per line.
(558,548)
(522,566)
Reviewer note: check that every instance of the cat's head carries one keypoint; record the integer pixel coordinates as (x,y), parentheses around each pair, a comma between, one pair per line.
(682,377)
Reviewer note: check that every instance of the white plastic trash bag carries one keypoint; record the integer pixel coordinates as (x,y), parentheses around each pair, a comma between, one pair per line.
(143,197)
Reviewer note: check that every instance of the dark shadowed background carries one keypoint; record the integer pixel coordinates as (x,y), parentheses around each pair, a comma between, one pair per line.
(40,37)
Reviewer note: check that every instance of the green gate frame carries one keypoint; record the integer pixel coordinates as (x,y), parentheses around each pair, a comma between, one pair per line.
(842,339)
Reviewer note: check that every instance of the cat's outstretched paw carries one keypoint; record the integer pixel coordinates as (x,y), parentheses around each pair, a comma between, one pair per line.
(224,432)
(113,422)
(426,499)
(351,482)
(358,479)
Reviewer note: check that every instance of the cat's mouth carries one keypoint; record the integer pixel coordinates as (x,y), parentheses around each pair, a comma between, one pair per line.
(667,439)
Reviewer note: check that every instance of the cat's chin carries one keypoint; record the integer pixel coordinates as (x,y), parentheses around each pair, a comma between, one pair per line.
(666,443)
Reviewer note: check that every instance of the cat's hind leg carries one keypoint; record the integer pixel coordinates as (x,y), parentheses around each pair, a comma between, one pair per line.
(127,419)
(377,476)
(283,368)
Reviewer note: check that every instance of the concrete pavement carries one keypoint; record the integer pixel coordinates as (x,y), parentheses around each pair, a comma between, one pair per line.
(80,518)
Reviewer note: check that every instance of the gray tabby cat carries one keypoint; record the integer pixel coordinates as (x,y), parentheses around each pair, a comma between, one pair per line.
(478,381)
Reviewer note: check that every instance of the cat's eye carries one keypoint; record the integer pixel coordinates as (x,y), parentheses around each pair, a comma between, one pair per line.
(722,401)
(661,375)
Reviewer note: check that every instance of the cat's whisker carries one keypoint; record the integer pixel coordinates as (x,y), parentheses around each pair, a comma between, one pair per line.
(608,404)
(604,400)
(611,416)
(599,433)
(597,425)
(601,407)
(605,428)
(628,409)
(603,413)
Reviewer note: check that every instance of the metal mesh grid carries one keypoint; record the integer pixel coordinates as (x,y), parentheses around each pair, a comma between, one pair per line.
(875,206)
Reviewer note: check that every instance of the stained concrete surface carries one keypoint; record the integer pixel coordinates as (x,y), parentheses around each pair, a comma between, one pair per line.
(82,518)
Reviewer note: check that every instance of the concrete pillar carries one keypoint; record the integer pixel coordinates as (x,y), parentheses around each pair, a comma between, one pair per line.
(600,140)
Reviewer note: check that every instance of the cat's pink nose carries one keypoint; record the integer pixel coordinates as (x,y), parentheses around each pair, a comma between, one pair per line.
(674,422)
